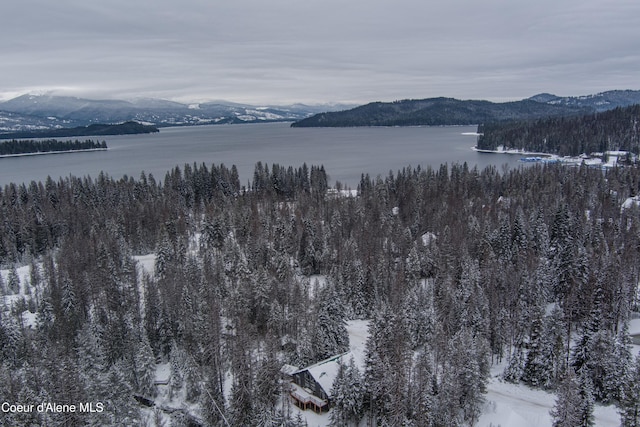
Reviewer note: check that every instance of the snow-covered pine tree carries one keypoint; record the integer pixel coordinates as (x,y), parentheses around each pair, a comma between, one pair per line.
(13,281)
(536,367)
(177,362)
(145,366)
(567,411)
(330,335)
(554,346)
(515,364)
(422,390)
(630,398)
(587,400)
(347,395)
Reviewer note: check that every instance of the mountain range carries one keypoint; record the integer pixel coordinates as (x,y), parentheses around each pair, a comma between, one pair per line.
(44,112)
(38,112)
(450,111)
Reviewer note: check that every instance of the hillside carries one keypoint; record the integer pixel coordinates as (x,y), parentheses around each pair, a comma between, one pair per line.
(616,129)
(436,112)
(599,102)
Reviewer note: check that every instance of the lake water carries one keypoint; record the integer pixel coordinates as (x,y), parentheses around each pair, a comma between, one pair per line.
(346,153)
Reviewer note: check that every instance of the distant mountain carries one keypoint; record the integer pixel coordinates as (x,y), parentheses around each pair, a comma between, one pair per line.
(29,112)
(437,111)
(599,102)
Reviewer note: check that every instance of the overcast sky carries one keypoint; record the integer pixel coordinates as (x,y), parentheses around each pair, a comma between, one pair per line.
(283,51)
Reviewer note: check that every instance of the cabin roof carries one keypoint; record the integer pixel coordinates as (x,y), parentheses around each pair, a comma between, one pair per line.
(326,371)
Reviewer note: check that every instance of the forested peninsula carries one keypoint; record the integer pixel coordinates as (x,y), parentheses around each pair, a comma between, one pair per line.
(127,128)
(613,130)
(29,146)
(437,112)
(109,282)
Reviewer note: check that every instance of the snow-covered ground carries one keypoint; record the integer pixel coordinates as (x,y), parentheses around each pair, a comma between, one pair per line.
(596,161)
(516,405)
(27,293)
(146,262)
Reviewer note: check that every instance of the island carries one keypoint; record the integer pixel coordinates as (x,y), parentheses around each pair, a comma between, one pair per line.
(31,147)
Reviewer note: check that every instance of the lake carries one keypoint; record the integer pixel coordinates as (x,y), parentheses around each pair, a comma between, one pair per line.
(346,153)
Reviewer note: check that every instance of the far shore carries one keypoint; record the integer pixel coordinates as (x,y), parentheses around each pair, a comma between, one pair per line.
(40,153)
(512,151)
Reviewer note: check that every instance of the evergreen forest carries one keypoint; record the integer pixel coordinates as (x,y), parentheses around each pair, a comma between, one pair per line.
(438,112)
(456,269)
(613,130)
(126,128)
(15,147)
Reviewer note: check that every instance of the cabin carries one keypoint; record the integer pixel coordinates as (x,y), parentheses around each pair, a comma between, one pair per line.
(311,386)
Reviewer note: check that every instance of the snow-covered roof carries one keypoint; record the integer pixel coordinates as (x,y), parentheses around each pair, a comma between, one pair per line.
(326,371)
(631,201)
(289,369)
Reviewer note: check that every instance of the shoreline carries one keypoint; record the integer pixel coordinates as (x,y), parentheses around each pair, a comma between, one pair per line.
(42,153)
(513,151)
(533,157)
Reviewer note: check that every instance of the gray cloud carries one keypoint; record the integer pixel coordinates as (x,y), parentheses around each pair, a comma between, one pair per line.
(289,50)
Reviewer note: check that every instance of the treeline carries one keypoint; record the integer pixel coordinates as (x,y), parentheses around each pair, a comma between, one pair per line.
(456,269)
(45,146)
(617,129)
(126,128)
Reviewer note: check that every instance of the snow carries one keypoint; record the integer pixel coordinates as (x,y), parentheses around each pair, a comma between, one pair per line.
(29,319)
(428,237)
(163,373)
(27,293)
(358,331)
(634,327)
(634,331)
(147,263)
(289,369)
(316,282)
(630,202)
(516,405)
(43,153)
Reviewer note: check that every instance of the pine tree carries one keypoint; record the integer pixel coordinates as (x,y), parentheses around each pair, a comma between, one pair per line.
(567,411)
(587,400)
(145,368)
(330,331)
(630,398)
(177,362)
(422,386)
(346,396)
(13,281)
(536,367)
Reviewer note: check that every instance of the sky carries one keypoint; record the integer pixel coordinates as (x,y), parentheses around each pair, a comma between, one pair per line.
(310,51)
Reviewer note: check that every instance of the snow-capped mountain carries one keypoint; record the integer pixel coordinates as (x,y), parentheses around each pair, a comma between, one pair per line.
(28,112)
(599,102)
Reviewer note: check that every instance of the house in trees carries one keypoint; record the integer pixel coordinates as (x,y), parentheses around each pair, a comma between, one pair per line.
(311,386)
